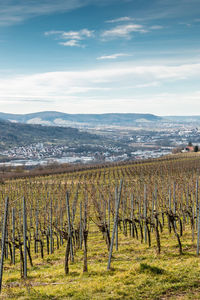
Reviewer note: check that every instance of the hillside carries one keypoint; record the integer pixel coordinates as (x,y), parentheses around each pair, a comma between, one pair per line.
(183,119)
(153,253)
(57,118)
(54,118)
(16,134)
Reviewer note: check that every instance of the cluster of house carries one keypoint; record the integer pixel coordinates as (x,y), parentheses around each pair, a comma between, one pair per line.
(190,149)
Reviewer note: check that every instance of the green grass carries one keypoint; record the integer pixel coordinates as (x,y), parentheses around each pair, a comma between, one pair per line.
(137,273)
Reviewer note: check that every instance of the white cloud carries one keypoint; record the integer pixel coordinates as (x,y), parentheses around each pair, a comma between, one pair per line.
(159,104)
(113,56)
(155,103)
(53,32)
(15,11)
(149,84)
(71,43)
(168,10)
(73,37)
(60,86)
(123,31)
(78,35)
(156,27)
(12,11)
(122,19)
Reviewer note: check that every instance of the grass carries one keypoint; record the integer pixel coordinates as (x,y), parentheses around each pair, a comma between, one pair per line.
(137,273)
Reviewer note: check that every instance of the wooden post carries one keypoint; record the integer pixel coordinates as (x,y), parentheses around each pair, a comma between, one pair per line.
(193,213)
(51,230)
(197,201)
(13,235)
(61,227)
(109,214)
(69,226)
(85,236)
(156,199)
(132,212)
(36,230)
(170,199)
(3,242)
(114,227)
(187,203)
(24,237)
(145,213)
(80,229)
(198,234)
(174,203)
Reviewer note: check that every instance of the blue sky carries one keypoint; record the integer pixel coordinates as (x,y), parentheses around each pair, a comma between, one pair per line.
(91,56)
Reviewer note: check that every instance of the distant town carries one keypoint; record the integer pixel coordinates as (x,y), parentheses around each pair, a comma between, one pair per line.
(128,144)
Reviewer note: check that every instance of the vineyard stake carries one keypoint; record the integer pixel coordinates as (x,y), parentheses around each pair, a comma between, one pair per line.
(198,234)
(51,230)
(85,236)
(132,209)
(36,233)
(80,229)
(174,203)
(24,236)
(197,200)
(115,224)
(3,242)
(13,234)
(145,213)
(69,226)
(109,214)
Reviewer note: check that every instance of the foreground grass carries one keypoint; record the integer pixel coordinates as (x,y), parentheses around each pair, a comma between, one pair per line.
(137,273)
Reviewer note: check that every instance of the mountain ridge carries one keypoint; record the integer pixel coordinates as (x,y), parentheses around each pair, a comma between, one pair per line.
(55,118)
(60,118)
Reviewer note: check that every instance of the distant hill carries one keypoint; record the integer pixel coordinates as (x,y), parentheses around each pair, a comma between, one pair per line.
(17,134)
(183,119)
(53,118)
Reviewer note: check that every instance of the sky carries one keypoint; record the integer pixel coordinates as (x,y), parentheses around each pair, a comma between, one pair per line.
(92,56)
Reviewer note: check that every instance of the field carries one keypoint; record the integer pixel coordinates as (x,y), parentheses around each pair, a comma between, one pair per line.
(118,232)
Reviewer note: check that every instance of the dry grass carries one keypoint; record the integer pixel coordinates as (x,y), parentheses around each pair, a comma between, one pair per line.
(137,273)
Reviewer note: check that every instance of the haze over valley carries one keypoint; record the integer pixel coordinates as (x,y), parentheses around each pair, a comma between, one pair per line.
(44,137)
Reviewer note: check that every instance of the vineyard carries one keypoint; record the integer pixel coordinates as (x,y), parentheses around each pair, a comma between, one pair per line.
(114,232)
